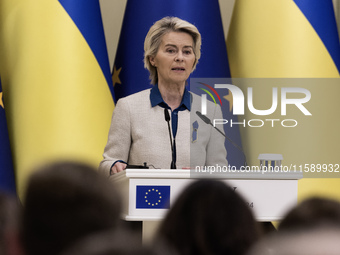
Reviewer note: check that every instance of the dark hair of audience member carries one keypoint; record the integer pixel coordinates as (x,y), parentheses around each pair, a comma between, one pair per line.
(312,213)
(317,241)
(120,242)
(66,201)
(209,217)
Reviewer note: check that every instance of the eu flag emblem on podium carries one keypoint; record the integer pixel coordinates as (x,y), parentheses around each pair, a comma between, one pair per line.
(148,197)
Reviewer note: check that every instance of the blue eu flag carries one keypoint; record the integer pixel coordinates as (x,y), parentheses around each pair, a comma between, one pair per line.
(7,180)
(153,197)
(129,75)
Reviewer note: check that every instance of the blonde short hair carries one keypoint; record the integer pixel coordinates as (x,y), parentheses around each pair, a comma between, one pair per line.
(154,37)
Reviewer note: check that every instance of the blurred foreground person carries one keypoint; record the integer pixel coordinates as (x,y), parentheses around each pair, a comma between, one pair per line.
(9,226)
(311,227)
(66,201)
(318,241)
(109,243)
(209,217)
(312,213)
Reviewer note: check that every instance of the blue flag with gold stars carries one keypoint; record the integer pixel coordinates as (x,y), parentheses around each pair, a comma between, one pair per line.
(7,180)
(129,75)
(157,197)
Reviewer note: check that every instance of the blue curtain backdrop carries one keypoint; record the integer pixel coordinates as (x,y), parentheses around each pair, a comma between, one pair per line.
(7,180)
(129,75)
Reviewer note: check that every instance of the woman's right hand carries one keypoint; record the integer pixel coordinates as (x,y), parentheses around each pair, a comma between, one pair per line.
(118,167)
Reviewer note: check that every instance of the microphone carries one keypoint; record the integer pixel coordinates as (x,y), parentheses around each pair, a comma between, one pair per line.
(208,121)
(173,151)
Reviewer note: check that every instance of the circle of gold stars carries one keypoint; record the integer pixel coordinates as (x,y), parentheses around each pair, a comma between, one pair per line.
(157,201)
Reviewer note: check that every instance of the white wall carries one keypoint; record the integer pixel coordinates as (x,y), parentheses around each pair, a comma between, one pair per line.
(113,12)
(112,15)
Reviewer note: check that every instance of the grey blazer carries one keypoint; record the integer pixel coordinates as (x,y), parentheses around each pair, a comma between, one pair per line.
(139,133)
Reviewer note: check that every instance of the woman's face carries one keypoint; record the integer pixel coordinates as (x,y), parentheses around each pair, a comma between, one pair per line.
(175,58)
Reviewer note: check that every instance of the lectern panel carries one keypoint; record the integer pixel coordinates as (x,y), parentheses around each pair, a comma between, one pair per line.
(148,194)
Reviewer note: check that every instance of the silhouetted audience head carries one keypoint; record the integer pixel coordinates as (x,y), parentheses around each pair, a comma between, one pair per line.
(109,243)
(209,217)
(312,213)
(311,227)
(9,225)
(318,241)
(66,201)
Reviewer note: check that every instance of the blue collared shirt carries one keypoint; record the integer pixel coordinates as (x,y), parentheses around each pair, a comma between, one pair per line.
(156,99)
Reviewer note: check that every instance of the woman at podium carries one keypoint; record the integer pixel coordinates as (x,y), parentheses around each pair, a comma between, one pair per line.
(159,126)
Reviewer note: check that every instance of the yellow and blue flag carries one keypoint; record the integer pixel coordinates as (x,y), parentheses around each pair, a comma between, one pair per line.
(286,39)
(56,70)
(7,179)
(129,75)
(283,39)
(87,17)
(320,15)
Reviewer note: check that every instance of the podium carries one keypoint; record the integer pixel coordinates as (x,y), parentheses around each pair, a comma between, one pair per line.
(145,192)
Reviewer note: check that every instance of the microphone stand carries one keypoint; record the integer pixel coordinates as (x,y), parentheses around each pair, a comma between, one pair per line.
(173,145)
